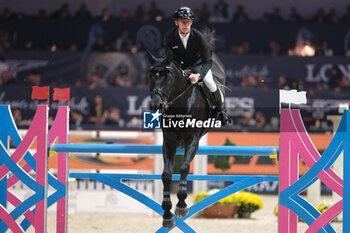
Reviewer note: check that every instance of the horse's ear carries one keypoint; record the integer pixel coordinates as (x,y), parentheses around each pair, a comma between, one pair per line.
(150,57)
(169,55)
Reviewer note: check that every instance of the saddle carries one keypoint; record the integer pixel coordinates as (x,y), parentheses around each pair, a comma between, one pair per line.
(208,96)
(219,76)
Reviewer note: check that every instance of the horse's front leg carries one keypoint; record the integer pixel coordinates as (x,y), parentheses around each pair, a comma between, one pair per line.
(190,151)
(169,152)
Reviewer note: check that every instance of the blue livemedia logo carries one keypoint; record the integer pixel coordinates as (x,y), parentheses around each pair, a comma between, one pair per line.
(151,120)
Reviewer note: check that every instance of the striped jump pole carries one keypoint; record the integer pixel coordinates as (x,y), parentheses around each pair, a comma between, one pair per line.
(157,149)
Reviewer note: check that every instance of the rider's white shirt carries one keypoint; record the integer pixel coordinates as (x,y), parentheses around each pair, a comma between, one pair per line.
(184,39)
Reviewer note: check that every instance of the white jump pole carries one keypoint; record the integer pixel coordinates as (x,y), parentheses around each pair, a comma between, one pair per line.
(158,168)
(200,168)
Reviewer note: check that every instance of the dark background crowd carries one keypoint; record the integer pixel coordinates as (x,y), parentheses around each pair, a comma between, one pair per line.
(15,37)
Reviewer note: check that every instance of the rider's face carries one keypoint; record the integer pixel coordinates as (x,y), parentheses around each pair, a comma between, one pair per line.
(184,25)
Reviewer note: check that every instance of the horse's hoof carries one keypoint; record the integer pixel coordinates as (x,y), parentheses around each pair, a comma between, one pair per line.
(181,212)
(168,223)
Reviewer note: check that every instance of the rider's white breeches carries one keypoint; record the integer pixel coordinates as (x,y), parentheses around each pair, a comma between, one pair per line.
(209,81)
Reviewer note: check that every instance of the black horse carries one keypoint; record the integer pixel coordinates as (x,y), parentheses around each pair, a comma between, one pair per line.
(173,95)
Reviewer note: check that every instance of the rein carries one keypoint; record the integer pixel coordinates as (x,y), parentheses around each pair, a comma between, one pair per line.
(181,94)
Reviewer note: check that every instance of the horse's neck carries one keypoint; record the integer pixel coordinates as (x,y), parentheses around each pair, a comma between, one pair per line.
(180,83)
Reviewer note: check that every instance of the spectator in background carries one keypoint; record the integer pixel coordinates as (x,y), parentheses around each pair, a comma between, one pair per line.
(298,84)
(95,81)
(261,83)
(240,49)
(346,17)
(324,50)
(17,117)
(266,18)
(6,77)
(122,79)
(282,83)
(260,119)
(73,47)
(224,9)
(4,43)
(347,52)
(332,16)
(125,15)
(335,78)
(217,17)
(319,17)
(114,117)
(233,49)
(294,16)
(273,49)
(33,78)
(140,11)
(343,84)
(155,14)
(105,15)
(196,13)
(42,15)
(97,111)
(240,16)
(99,45)
(145,17)
(276,16)
(248,81)
(124,42)
(62,13)
(83,12)
(204,12)
(28,45)
(76,119)
(247,119)
(7,14)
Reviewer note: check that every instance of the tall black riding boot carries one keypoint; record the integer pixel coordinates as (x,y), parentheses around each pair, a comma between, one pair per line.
(221,108)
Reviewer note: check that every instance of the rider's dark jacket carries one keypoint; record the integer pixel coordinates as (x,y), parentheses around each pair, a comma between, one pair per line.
(196,56)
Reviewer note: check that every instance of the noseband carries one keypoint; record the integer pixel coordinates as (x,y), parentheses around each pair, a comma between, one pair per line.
(159,92)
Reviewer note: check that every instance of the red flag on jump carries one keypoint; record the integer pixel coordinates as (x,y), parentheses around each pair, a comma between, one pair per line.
(61,94)
(41,93)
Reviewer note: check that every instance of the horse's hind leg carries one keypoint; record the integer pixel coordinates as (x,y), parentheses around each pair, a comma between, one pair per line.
(190,151)
(168,156)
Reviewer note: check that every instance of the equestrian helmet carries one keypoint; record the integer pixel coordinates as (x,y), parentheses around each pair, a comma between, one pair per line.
(184,13)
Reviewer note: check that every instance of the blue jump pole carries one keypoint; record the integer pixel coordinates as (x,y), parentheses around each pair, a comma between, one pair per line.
(157,149)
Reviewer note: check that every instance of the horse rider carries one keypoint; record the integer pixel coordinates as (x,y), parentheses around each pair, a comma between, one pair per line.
(192,52)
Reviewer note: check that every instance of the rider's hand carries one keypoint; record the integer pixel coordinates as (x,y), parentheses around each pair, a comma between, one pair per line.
(194,78)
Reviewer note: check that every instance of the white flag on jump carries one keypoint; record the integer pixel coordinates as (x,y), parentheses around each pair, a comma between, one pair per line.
(293,97)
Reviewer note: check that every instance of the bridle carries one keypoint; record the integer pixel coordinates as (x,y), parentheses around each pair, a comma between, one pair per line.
(163,95)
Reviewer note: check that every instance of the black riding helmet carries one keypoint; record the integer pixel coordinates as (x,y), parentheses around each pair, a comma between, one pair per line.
(184,13)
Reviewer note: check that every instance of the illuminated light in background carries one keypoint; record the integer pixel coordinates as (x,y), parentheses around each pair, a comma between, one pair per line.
(308,51)
(133,49)
(53,48)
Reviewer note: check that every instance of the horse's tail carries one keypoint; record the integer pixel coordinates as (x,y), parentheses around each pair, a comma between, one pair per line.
(209,35)
(218,68)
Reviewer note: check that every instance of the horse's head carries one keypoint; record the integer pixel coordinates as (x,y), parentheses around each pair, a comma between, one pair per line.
(161,81)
